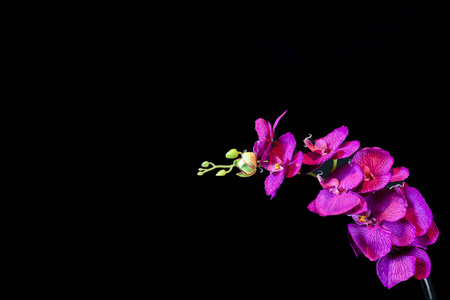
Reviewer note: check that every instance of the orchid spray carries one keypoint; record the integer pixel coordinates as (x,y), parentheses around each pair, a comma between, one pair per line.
(391,223)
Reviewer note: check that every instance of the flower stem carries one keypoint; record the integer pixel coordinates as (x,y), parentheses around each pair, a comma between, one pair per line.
(203,171)
(334,165)
(428,289)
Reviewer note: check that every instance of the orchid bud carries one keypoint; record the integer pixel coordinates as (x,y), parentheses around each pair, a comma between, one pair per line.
(242,174)
(221,173)
(205,164)
(247,164)
(233,153)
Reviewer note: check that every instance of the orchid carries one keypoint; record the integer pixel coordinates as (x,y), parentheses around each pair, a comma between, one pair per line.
(329,147)
(376,165)
(391,221)
(281,164)
(337,196)
(382,225)
(401,264)
(265,134)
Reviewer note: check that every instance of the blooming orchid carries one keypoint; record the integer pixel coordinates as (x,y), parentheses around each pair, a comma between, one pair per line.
(401,264)
(337,196)
(329,147)
(376,165)
(392,224)
(265,137)
(281,164)
(382,225)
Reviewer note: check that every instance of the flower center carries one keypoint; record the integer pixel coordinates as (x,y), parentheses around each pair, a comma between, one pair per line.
(368,219)
(277,166)
(337,190)
(368,176)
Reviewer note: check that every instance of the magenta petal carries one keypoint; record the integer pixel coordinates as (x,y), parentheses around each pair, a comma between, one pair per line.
(295,165)
(312,158)
(335,138)
(358,209)
(392,269)
(399,174)
(261,147)
(273,182)
(346,150)
(330,143)
(429,237)
(276,122)
(423,263)
(262,129)
(386,205)
(374,241)
(327,203)
(256,148)
(353,245)
(341,173)
(350,176)
(312,207)
(418,211)
(375,160)
(284,147)
(383,269)
(403,232)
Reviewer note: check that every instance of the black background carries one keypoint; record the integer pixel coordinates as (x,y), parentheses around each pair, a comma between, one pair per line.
(379,70)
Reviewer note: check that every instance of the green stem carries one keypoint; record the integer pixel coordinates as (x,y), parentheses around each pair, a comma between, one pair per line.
(203,171)
(334,165)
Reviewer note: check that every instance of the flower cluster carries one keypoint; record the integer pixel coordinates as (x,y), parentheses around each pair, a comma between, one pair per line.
(391,221)
(392,225)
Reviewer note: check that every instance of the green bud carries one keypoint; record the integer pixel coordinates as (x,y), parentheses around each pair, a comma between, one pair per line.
(242,174)
(200,173)
(247,164)
(233,153)
(205,164)
(221,173)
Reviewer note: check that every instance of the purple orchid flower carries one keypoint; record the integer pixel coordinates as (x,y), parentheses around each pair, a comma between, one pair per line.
(401,264)
(336,197)
(376,165)
(382,225)
(281,164)
(329,147)
(265,137)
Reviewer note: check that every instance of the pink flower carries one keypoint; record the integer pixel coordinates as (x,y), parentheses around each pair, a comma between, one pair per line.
(337,196)
(401,264)
(382,225)
(329,147)
(376,165)
(265,137)
(281,164)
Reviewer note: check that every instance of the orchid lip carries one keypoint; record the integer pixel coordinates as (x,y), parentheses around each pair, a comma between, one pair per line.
(368,176)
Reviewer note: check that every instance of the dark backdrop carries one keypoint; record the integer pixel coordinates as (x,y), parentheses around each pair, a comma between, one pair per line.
(380,71)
